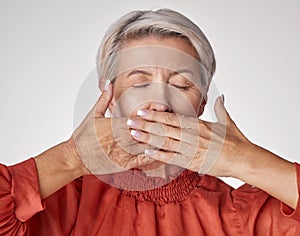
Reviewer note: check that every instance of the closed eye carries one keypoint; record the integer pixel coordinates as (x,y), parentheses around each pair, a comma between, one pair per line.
(141,85)
(185,87)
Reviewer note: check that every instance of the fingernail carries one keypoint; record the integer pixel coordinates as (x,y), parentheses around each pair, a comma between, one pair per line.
(150,152)
(141,113)
(135,133)
(131,122)
(107,82)
(223,98)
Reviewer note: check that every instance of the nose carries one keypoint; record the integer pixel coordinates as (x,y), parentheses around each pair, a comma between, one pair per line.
(160,98)
(158,106)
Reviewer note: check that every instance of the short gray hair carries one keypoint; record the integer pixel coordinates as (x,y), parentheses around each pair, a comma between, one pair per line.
(164,23)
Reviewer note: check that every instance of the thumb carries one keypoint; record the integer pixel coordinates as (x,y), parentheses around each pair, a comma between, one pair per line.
(220,111)
(104,100)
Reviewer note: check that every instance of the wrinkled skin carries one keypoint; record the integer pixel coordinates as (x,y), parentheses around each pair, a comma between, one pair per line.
(104,144)
(192,143)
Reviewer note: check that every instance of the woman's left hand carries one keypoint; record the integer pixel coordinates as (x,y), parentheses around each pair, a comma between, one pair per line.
(218,149)
(209,148)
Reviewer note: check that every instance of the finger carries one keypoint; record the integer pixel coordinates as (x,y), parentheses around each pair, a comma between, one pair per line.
(155,128)
(168,118)
(104,100)
(172,158)
(192,124)
(185,135)
(138,161)
(221,112)
(155,140)
(166,143)
(121,136)
(135,148)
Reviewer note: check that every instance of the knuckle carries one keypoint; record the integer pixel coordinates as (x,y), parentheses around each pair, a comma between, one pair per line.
(157,142)
(160,129)
(202,126)
(168,130)
(186,149)
(167,144)
(157,129)
(176,158)
(168,117)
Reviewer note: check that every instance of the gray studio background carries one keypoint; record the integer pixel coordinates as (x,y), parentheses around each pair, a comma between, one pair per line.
(47,48)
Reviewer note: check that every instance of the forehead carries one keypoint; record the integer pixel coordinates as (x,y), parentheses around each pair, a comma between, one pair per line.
(174,54)
(181,44)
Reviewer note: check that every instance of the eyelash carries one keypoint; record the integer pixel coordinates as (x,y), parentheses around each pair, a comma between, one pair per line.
(144,85)
(181,87)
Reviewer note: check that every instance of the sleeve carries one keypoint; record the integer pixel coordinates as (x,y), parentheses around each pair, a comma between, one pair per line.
(19,197)
(262,214)
(286,210)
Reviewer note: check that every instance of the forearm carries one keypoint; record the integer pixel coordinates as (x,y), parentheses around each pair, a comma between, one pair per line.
(269,172)
(57,167)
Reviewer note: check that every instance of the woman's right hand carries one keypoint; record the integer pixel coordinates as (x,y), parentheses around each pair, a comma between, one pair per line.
(104,145)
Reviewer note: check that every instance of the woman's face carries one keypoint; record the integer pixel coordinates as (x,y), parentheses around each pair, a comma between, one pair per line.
(158,74)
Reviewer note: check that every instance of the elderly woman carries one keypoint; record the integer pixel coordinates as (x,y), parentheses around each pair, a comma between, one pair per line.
(151,167)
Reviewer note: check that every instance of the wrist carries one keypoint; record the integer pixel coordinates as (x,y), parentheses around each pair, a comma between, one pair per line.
(72,158)
(58,166)
(271,173)
(255,163)
(249,161)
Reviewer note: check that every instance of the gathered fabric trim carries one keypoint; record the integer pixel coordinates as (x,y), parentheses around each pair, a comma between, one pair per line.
(175,190)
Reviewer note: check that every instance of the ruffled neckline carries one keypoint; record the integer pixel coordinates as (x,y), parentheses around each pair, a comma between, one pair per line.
(173,189)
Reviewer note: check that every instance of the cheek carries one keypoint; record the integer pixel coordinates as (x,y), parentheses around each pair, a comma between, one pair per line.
(185,102)
(128,101)
(195,99)
(128,106)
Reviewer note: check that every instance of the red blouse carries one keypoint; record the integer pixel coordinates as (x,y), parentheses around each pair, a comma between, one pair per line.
(189,205)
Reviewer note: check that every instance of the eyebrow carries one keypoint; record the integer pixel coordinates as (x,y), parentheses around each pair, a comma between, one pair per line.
(181,71)
(134,72)
(143,72)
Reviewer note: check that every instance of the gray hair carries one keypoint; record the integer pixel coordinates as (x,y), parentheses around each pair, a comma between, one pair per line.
(163,23)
